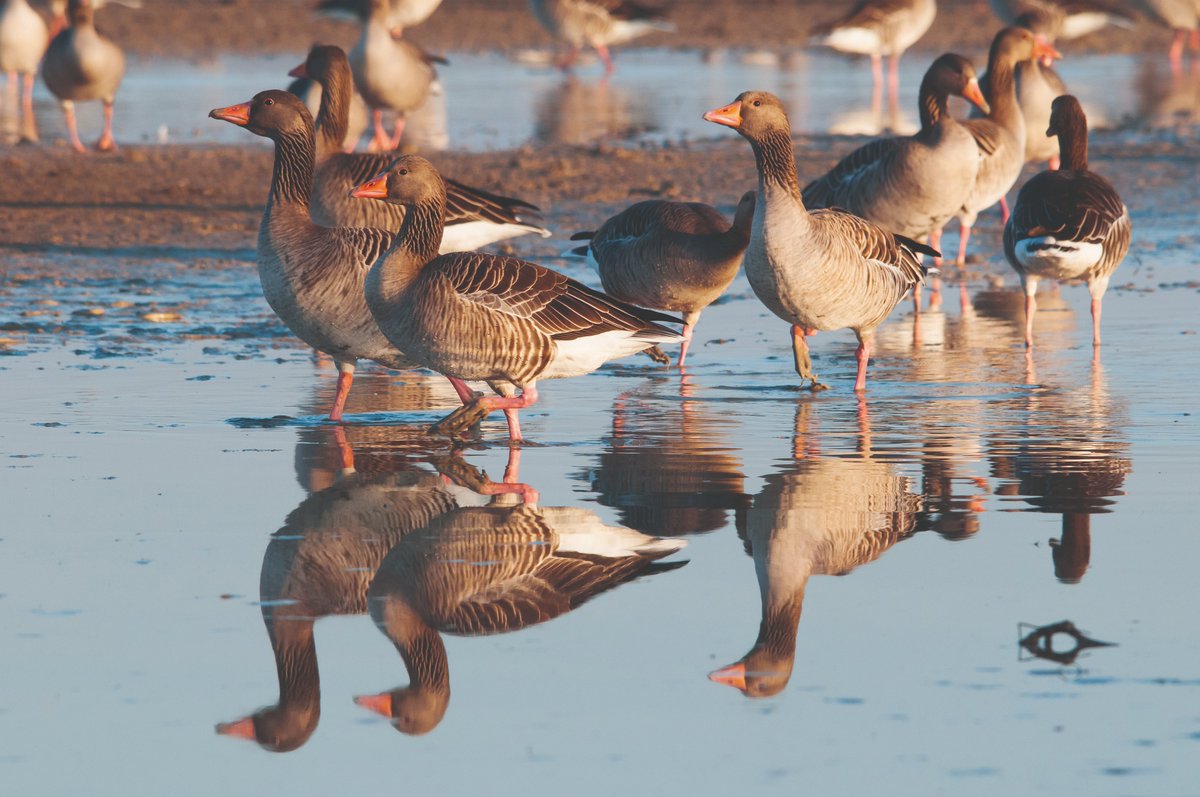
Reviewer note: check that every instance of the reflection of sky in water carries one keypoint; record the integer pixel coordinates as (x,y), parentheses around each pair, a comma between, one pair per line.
(492,102)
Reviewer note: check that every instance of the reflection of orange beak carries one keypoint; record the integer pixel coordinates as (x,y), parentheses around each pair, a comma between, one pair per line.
(975,96)
(238,114)
(1043,50)
(730,115)
(380,704)
(243,728)
(734,675)
(375,188)
(299,71)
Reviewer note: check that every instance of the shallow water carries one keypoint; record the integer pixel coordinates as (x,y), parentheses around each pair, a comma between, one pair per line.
(492,102)
(164,448)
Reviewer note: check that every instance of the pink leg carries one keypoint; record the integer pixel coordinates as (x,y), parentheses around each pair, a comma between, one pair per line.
(935,241)
(511,484)
(464,391)
(964,235)
(1030,311)
(345,377)
(1004,214)
(568,60)
(345,452)
(964,298)
(602,51)
(1054,163)
(106,142)
(1196,41)
(687,338)
(1176,52)
(72,131)
(397,131)
(29,131)
(863,354)
(381,139)
(1096,322)
(894,86)
(514,424)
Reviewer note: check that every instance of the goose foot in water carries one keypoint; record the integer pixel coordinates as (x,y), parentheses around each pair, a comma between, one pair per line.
(658,355)
(476,410)
(804,360)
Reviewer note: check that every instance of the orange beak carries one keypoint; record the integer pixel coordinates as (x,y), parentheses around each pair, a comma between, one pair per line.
(730,115)
(975,96)
(381,704)
(299,71)
(375,188)
(734,675)
(238,114)
(1043,50)
(243,728)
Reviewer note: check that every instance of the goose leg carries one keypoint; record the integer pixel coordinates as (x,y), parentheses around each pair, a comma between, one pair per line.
(72,130)
(803,359)
(602,51)
(1004,214)
(478,408)
(863,354)
(568,60)
(29,123)
(464,391)
(964,235)
(397,131)
(382,139)
(1031,286)
(1176,52)
(106,142)
(345,378)
(1096,321)
(689,326)
(893,88)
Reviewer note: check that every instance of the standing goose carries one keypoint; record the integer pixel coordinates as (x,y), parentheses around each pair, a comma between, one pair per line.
(1037,86)
(912,185)
(488,317)
(822,270)
(878,28)
(1181,16)
(1069,19)
(677,256)
(1068,224)
(82,65)
(23,39)
(597,24)
(474,217)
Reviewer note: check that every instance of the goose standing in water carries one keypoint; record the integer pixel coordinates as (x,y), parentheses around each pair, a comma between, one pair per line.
(474,217)
(1068,224)
(485,317)
(23,40)
(597,24)
(823,270)
(677,256)
(82,65)
(1181,16)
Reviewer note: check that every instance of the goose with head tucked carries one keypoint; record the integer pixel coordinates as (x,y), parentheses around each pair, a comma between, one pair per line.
(471,315)
(824,270)
(1068,224)
(474,217)
(82,65)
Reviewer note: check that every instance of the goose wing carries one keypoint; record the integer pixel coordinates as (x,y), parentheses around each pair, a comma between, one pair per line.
(822,192)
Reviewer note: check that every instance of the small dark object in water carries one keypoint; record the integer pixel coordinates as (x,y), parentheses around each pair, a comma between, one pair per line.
(1040,641)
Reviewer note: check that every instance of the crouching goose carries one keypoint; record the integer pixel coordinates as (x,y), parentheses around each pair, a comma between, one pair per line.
(23,39)
(474,217)
(677,256)
(597,23)
(82,65)
(818,271)
(1068,224)
(487,317)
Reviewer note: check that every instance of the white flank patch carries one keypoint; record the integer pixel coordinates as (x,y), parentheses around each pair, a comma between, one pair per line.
(853,40)
(1076,25)
(1049,257)
(623,30)
(471,235)
(584,355)
(581,531)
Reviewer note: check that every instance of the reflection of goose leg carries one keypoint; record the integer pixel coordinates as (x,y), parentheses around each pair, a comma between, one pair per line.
(511,484)
(803,359)
(345,452)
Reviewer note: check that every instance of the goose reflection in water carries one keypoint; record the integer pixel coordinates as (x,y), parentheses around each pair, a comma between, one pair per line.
(824,515)
(579,112)
(491,570)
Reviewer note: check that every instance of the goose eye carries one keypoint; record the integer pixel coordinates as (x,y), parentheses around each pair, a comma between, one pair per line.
(757,103)
(268,101)
(403,171)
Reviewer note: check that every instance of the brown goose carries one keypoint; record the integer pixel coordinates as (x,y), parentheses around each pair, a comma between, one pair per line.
(1068,224)
(23,40)
(82,65)
(1069,19)
(474,217)
(912,185)
(823,270)
(481,316)
(597,24)
(677,256)
(541,564)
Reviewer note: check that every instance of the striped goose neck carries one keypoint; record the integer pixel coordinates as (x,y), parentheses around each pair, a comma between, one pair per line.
(780,623)
(424,657)
(421,232)
(292,178)
(934,103)
(333,117)
(776,160)
(1001,92)
(1072,142)
(296,663)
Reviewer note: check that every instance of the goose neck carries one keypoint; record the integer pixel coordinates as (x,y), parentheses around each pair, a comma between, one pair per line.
(776,162)
(1073,143)
(934,103)
(296,662)
(333,117)
(291,179)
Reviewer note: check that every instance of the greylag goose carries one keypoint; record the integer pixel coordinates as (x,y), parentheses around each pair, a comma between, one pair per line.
(1037,86)
(23,40)
(878,28)
(481,316)
(391,74)
(1181,16)
(677,256)
(474,217)
(912,185)
(357,115)
(1068,224)
(400,14)
(1068,19)
(82,65)
(597,24)
(541,563)
(822,270)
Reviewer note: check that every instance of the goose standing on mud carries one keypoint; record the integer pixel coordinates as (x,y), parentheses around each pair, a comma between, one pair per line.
(597,24)
(82,65)
(676,256)
(474,217)
(23,40)
(486,317)
(1068,224)
(818,271)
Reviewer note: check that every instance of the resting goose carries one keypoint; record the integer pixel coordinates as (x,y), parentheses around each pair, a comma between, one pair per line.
(23,40)
(474,217)
(390,73)
(597,24)
(878,28)
(1069,19)
(541,563)
(822,270)
(677,256)
(911,185)
(488,317)
(82,65)
(1068,224)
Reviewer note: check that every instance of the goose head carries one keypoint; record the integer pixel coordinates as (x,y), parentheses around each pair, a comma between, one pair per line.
(1013,45)
(321,62)
(953,74)
(409,180)
(761,673)
(275,728)
(411,710)
(1065,113)
(1043,25)
(271,113)
(754,114)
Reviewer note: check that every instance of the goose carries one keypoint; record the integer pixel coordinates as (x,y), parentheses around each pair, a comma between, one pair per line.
(1068,224)
(400,14)
(597,24)
(1069,19)
(23,40)
(82,65)
(878,28)
(822,270)
(677,256)
(480,316)
(390,73)
(542,562)
(911,185)
(311,92)
(474,217)
(1181,16)
(1037,86)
